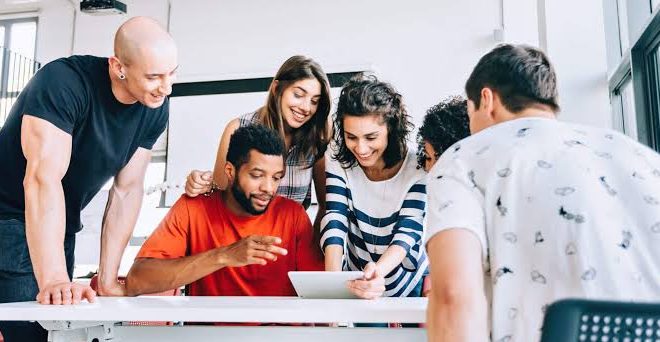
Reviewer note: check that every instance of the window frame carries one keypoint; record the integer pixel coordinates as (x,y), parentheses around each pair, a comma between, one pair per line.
(639,64)
(4,68)
(646,82)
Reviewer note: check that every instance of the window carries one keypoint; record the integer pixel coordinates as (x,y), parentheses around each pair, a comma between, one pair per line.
(634,79)
(623,102)
(646,60)
(623,25)
(18,44)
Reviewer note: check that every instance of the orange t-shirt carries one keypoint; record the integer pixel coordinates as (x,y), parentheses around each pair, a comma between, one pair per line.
(196,225)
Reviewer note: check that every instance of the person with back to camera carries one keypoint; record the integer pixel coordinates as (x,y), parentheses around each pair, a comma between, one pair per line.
(550,209)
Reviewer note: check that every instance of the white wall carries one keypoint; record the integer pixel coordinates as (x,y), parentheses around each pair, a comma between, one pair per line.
(576,46)
(59,26)
(426,48)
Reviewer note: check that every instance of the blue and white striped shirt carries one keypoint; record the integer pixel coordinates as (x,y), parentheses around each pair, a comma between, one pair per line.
(375,215)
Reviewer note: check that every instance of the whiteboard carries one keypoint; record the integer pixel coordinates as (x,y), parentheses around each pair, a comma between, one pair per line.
(195,126)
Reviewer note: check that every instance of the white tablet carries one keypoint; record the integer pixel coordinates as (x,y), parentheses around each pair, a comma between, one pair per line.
(323,285)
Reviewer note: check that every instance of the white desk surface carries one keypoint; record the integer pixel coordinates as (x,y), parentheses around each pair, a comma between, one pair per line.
(224,309)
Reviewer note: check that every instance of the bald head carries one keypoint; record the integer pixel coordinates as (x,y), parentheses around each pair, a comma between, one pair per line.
(142,38)
(145,62)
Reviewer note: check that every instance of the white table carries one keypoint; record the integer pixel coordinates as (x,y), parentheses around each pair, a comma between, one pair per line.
(99,321)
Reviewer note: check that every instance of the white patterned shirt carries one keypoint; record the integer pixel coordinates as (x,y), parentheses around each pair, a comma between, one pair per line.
(561,210)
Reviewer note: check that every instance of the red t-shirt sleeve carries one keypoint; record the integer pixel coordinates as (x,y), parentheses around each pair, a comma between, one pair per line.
(308,251)
(170,239)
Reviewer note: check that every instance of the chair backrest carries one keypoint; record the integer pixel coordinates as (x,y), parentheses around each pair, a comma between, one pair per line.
(601,321)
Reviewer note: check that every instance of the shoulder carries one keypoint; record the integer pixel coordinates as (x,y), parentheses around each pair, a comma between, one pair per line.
(283,203)
(197,203)
(333,166)
(411,169)
(286,207)
(78,66)
(247,119)
(63,72)
(232,126)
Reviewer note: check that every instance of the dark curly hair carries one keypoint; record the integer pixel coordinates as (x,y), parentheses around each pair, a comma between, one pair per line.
(521,75)
(363,96)
(444,124)
(253,137)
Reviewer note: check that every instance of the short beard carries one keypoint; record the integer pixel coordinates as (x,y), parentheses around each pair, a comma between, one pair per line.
(244,201)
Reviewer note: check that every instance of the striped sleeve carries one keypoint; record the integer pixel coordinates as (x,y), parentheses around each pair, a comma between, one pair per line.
(334,225)
(408,229)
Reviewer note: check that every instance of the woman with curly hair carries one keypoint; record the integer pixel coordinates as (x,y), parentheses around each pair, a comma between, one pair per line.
(444,124)
(375,194)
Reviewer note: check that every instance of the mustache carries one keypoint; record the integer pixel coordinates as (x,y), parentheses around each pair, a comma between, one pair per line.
(263,196)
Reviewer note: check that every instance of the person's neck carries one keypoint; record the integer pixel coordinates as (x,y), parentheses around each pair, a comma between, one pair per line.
(378,172)
(119,90)
(536,112)
(232,204)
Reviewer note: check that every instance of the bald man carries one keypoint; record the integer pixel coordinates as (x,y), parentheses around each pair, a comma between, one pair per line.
(80,121)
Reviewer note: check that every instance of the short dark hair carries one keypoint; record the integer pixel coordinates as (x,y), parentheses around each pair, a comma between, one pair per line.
(521,75)
(253,137)
(363,96)
(444,124)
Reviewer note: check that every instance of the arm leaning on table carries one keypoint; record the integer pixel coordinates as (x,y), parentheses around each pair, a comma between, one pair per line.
(163,264)
(121,212)
(47,150)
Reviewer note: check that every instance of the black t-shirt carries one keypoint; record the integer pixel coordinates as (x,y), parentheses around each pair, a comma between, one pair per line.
(75,95)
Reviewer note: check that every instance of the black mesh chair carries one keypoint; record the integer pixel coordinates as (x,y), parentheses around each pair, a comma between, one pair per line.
(577,320)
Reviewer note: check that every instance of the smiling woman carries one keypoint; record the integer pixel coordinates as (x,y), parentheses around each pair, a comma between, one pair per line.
(375,194)
(297,107)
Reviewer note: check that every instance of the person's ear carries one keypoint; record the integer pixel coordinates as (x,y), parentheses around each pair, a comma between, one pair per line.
(230,172)
(117,67)
(487,102)
(273,86)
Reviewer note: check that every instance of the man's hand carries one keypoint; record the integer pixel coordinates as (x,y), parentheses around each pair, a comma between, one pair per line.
(371,286)
(65,293)
(115,289)
(254,249)
(198,182)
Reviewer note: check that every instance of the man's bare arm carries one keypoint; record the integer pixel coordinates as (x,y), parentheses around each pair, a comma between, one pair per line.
(457,308)
(151,275)
(121,213)
(47,150)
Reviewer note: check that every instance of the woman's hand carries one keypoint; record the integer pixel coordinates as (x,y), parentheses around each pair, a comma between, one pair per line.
(371,286)
(199,182)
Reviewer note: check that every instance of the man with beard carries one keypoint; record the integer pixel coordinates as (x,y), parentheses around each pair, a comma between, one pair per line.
(238,242)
